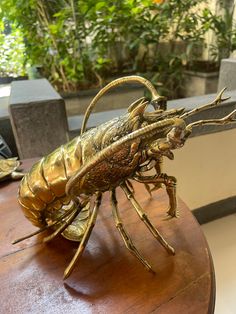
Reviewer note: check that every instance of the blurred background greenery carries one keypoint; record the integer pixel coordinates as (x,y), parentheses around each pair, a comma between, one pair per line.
(79,44)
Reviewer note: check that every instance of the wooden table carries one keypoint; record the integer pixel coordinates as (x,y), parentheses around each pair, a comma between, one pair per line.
(108,279)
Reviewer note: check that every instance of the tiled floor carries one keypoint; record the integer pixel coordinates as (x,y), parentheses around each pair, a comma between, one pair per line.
(221,237)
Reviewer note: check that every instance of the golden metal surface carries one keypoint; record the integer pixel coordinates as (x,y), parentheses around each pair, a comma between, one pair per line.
(8,169)
(60,190)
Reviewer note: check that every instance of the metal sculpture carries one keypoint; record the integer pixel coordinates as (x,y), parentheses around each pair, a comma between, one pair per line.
(57,192)
(9,169)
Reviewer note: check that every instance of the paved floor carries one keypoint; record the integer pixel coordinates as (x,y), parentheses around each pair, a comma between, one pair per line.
(221,236)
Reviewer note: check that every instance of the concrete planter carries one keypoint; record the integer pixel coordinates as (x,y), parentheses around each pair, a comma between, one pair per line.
(199,83)
(9,79)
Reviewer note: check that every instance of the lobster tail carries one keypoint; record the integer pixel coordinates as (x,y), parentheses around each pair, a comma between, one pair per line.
(31,205)
(42,190)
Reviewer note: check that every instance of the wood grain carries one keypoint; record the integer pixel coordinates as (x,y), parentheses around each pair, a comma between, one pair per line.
(107,279)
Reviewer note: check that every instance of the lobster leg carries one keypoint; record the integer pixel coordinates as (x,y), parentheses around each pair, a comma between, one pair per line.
(158,168)
(85,237)
(143,216)
(130,185)
(63,226)
(169,182)
(127,240)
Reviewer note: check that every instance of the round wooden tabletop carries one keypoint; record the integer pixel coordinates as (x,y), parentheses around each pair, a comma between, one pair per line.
(107,279)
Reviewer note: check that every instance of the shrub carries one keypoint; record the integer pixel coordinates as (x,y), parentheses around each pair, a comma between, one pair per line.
(82,43)
(12,52)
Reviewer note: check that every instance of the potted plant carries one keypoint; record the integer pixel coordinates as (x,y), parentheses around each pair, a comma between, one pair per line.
(203,75)
(84,44)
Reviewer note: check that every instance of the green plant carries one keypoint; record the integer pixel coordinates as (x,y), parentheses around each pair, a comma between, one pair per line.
(82,43)
(54,33)
(179,43)
(224,29)
(12,52)
(131,36)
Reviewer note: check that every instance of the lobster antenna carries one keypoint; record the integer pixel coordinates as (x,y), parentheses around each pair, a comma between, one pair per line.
(43,228)
(67,213)
(218,100)
(225,120)
(33,233)
(115,83)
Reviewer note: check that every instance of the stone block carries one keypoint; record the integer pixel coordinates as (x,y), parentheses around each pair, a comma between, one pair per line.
(38,118)
(227,76)
(197,83)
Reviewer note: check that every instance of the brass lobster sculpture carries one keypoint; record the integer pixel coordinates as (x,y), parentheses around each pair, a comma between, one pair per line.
(57,191)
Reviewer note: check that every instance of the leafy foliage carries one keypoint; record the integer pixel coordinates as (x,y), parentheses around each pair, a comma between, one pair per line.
(81,43)
(12,52)
(224,28)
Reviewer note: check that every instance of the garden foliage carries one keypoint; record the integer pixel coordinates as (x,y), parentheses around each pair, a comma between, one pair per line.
(82,43)
(12,51)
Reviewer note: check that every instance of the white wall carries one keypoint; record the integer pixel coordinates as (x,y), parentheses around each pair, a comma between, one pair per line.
(205,168)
